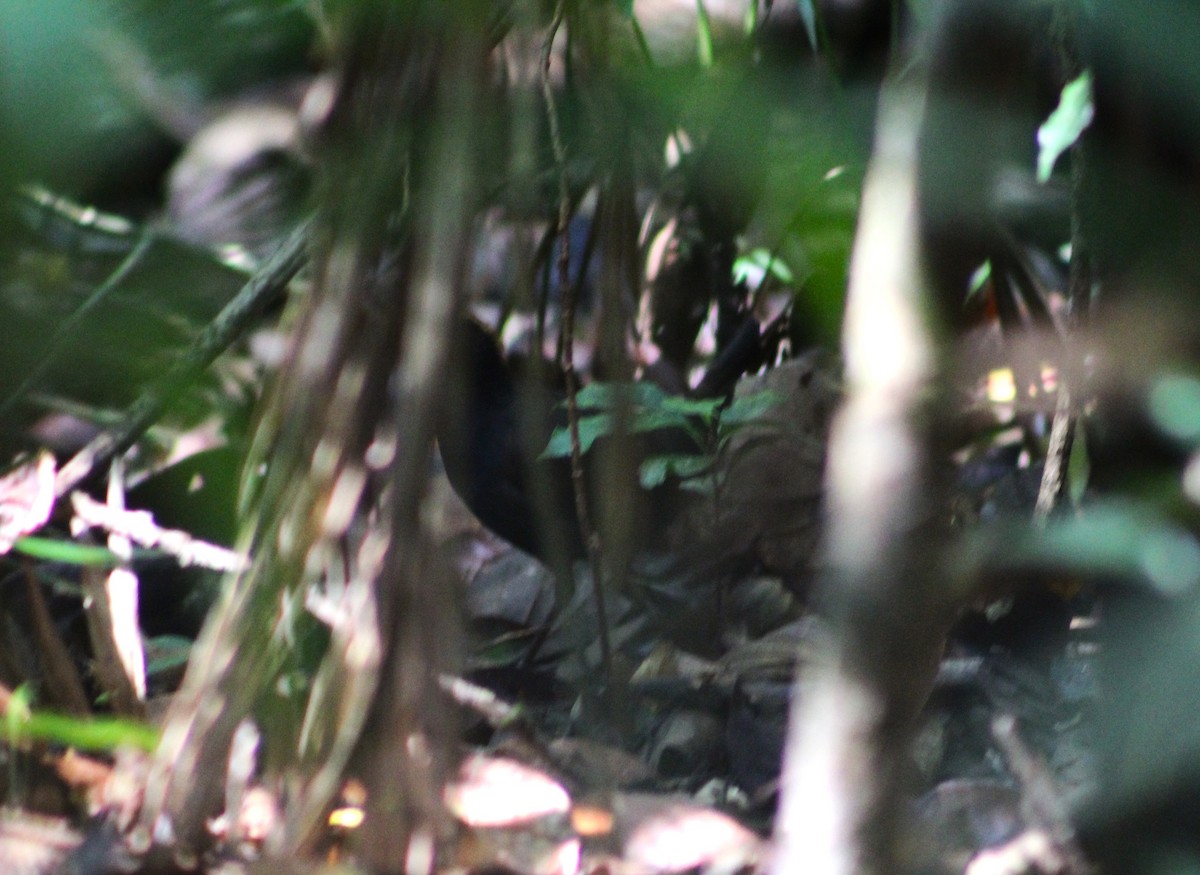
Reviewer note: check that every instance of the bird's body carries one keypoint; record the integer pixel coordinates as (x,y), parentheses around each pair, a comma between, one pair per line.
(762,516)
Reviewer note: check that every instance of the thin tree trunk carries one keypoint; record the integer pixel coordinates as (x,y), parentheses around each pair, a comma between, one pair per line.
(395,177)
(854,704)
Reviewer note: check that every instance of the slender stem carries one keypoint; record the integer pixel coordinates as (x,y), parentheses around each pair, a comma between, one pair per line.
(566,351)
(231,323)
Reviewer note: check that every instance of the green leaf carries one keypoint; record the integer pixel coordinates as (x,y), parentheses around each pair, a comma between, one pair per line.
(506,650)
(1069,119)
(17,714)
(704,37)
(1122,539)
(656,469)
(91,733)
(1079,468)
(1174,404)
(166,653)
(590,428)
(704,408)
(613,396)
(609,396)
(761,260)
(808,15)
(979,279)
(66,552)
(656,419)
(748,408)
(98,734)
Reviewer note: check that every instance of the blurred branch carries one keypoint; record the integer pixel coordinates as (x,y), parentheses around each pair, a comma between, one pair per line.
(1041,802)
(63,686)
(264,288)
(139,526)
(345,438)
(1079,286)
(855,701)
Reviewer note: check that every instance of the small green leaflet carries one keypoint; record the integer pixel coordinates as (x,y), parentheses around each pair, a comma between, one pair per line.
(66,552)
(979,279)
(808,15)
(92,733)
(1069,119)
(1079,468)
(756,263)
(704,37)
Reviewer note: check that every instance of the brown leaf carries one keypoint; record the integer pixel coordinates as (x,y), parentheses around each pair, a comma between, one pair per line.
(26,498)
(501,792)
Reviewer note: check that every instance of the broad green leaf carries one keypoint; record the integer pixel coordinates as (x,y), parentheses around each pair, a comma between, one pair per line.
(1069,119)
(1123,539)
(1174,404)
(166,653)
(92,733)
(656,419)
(655,470)
(612,396)
(17,713)
(607,396)
(505,650)
(591,427)
(704,408)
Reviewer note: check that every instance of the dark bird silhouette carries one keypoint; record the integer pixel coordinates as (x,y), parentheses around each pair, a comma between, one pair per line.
(488,459)
(492,442)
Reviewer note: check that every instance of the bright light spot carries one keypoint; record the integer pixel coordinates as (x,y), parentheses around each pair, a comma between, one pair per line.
(1049,378)
(1001,387)
(346,818)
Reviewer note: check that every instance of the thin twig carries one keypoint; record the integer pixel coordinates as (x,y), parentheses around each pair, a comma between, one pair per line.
(1058,452)
(496,711)
(1041,801)
(139,526)
(63,685)
(567,351)
(263,289)
(1079,290)
(111,599)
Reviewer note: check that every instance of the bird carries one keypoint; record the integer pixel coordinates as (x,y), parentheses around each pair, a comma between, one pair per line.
(763,514)
(492,441)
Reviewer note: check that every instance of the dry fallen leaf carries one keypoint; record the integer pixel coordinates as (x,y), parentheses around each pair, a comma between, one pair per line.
(501,792)
(26,498)
(667,834)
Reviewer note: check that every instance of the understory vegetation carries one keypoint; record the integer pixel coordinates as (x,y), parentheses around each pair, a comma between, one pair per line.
(600,436)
